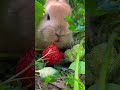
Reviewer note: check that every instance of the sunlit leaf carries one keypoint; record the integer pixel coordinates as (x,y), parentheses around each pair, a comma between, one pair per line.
(81,67)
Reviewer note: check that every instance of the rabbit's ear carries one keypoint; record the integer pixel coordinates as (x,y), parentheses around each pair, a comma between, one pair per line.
(47,1)
(64,1)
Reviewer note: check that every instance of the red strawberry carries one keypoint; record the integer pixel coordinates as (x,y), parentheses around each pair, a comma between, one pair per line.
(25,60)
(52,55)
(61,55)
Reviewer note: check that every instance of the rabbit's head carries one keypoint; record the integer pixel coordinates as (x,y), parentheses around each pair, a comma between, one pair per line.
(53,28)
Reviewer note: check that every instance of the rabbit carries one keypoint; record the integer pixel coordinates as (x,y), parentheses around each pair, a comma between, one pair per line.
(53,28)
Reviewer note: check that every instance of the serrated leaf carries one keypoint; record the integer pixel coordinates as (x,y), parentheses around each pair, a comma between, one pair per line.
(39,65)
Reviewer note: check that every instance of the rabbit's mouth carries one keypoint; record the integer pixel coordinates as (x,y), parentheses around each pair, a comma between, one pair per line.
(58,40)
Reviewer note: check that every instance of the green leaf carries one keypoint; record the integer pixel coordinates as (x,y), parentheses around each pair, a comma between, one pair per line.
(95,60)
(39,12)
(41,1)
(81,67)
(69,80)
(48,74)
(71,24)
(39,65)
(47,80)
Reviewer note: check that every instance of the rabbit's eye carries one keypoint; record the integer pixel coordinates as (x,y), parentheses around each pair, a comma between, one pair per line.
(48,17)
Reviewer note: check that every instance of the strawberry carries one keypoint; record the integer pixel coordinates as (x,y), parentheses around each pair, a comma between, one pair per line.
(26,60)
(51,55)
(61,55)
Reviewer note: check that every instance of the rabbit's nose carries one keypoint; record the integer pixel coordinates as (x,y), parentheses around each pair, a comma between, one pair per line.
(58,35)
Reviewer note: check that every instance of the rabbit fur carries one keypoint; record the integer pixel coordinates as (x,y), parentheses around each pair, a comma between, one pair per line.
(53,28)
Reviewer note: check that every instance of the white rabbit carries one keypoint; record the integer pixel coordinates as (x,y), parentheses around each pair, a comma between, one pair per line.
(53,28)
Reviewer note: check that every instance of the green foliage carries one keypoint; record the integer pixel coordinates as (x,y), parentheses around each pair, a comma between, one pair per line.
(41,1)
(68,81)
(81,67)
(104,24)
(39,12)
(102,7)
(104,55)
(77,62)
(106,60)
(95,60)
(78,11)
(77,21)
(77,25)
(72,26)
(109,86)
(70,54)
(110,6)
(39,64)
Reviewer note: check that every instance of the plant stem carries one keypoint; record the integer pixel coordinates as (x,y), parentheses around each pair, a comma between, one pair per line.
(76,84)
(79,54)
(19,79)
(106,60)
